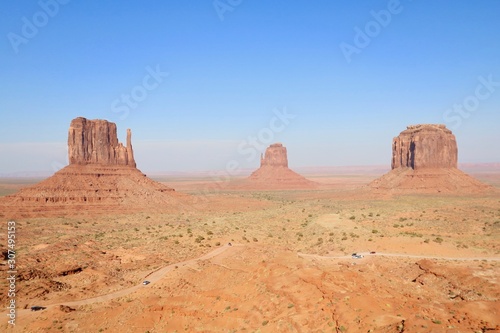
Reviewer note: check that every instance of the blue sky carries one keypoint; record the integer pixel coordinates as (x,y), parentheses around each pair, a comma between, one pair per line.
(233,64)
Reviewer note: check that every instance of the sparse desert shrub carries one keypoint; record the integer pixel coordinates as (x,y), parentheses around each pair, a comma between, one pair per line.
(352,217)
(255,239)
(374,231)
(217,244)
(265,322)
(402,219)
(438,240)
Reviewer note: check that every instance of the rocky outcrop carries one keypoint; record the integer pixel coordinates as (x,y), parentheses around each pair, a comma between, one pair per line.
(276,155)
(424,160)
(102,177)
(96,142)
(425,146)
(274,172)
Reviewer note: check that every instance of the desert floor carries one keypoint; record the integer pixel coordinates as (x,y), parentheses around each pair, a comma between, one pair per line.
(289,268)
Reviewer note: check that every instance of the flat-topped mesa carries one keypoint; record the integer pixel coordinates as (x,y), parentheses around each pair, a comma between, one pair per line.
(425,146)
(276,155)
(424,160)
(96,142)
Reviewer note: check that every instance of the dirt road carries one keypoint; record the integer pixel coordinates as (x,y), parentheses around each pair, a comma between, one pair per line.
(152,278)
(160,273)
(367,255)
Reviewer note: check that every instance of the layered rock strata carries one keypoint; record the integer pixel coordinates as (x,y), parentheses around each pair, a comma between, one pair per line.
(274,172)
(424,160)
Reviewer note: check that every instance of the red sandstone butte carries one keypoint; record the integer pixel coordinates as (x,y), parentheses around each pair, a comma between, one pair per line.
(424,160)
(96,142)
(274,172)
(101,177)
(425,146)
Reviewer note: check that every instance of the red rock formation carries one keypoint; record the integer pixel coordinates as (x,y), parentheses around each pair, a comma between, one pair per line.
(424,160)
(425,146)
(276,155)
(102,177)
(96,142)
(274,172)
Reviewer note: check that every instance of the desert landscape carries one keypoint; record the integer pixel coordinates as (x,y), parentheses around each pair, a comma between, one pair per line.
(228,166)
(402,252)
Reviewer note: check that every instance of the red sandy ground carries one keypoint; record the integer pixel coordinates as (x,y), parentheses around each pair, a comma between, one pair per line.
(289,269)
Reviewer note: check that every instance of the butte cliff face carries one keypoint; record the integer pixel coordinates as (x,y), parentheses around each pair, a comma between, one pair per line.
(276,156)
(96,142)
(425,146)
(274,172)
(424,160)
(101,177)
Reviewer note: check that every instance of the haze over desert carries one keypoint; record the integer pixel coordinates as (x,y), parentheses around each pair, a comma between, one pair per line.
(236,166)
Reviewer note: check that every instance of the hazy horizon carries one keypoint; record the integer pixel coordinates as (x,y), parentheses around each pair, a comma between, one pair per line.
(202,85)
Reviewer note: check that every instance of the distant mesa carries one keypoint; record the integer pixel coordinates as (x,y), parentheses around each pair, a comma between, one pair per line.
(102,176)
(274,172)
(424,160)
(276,156)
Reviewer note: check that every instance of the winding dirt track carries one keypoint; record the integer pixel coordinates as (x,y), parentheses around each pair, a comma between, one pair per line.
(367,255)
(160,273)
(152,278)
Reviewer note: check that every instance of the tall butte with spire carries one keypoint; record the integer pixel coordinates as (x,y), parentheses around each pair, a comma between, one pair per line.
(424,160)
(101,176)
(274,172)
(96,142)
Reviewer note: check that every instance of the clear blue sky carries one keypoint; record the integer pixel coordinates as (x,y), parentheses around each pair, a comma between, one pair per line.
(231,64)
